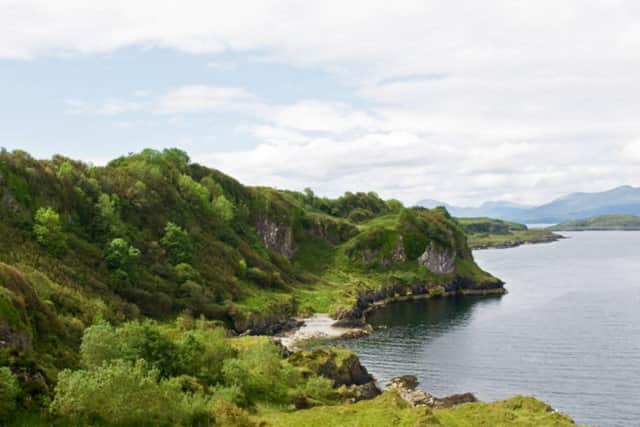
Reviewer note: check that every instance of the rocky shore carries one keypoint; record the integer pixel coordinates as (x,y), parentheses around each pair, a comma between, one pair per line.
(374,299)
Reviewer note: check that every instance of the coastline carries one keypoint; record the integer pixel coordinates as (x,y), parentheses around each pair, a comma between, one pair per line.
(323,326)
(518,242)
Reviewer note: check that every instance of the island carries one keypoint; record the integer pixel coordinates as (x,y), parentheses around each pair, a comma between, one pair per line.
(600,223)
(483,233)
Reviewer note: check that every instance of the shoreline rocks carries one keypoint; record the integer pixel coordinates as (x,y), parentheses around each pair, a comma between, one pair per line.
(406,387)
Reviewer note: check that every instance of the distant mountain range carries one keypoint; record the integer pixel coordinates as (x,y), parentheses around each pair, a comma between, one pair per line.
(619,200)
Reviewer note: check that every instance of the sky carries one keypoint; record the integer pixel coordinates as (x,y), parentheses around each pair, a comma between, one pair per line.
(460,101)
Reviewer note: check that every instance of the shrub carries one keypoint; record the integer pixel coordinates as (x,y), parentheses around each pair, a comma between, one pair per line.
(177,243)
(124,393)
(121,257)
(223,209)
(48,230)
(9,390)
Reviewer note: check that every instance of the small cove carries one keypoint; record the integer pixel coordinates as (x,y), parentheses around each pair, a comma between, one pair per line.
(568,332)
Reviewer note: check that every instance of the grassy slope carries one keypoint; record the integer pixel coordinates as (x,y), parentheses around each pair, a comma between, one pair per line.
(232,276)
(489,232)
(47,300)
(389,409)
(601,222)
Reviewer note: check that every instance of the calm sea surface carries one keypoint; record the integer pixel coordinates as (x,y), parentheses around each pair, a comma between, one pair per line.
(568,332)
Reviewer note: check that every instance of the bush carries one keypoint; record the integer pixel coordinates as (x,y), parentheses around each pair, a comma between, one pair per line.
(123,393)
(48,230)
(100,344)
(228,414)
(177,243)
(202,354)
(259,373)
(223,209)
(9,391)
(122,258)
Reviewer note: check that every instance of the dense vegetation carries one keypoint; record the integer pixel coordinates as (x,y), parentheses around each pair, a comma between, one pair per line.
(601,222)
(88,253)
(489,232)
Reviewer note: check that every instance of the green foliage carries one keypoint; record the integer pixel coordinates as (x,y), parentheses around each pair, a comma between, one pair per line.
(259,373)
(107,221)
(390,409)
(193,191)
(100,344)
(220,268)
(122,258)
(202,354)
(223,209)
(123,393)
(48,230)
(177,243)
(9,391)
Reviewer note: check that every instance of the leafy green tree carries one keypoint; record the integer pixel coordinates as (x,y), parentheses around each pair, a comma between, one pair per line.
(202,354)
(394,205)
(194,192)
(144,340)
(9,391)
(120,254)
(176,157)
(122,258)
(107,221)
(177,243)
(100,344)
(214,188)
(48,230)
(223,209)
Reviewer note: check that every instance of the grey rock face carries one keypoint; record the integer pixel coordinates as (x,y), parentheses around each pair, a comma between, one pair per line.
(438,260)
(276,237)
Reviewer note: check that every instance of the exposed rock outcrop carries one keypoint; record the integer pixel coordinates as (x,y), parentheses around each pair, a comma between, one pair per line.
(341,366)
(437,260)
(406,386)
(276,237)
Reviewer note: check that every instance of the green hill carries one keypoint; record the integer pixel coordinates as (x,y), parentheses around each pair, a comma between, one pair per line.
(152,235)
(600,222)
(495,233)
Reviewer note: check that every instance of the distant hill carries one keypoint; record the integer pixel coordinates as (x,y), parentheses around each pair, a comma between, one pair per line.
(624,200)
(601,222)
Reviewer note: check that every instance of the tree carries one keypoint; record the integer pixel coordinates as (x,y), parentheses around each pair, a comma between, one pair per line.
(194,192)
(107,221)
(223,209)
(9,390)
(121,258)
(100,344)
(48,230)
(177,243)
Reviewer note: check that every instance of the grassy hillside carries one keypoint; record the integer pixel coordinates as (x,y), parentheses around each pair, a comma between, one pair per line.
(601,222)
(491,233)
(389,409)
(152,235)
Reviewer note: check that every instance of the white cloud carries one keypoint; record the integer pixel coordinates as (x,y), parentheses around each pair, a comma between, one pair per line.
(313,115)
(465,100)
(200,98)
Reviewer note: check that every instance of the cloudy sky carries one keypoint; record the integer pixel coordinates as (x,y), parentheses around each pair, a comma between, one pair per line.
(461,101)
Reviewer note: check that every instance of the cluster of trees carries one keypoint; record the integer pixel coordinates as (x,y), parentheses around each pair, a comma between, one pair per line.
(187,374)
(356,207)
